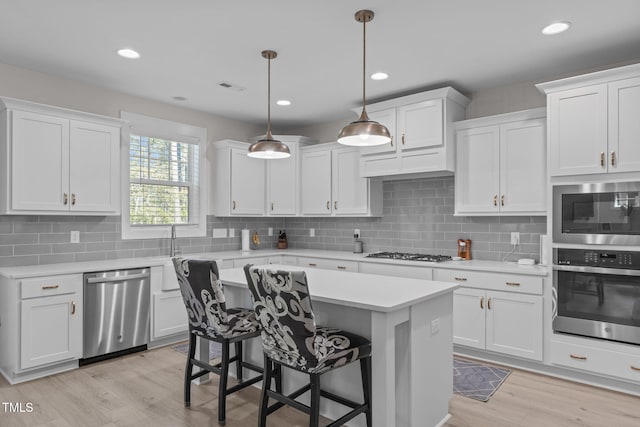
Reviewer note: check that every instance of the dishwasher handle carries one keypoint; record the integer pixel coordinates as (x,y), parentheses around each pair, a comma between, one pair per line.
(122,278)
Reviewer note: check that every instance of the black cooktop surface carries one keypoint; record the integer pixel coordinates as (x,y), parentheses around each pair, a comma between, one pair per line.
(409,256)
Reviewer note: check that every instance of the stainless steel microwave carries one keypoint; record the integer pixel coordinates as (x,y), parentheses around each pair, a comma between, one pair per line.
(597,214)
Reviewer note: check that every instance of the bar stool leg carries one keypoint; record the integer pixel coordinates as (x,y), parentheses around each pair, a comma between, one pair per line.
(266,385)
(239,360)
(314,416)
(222,386)
(188,370)
(365,369)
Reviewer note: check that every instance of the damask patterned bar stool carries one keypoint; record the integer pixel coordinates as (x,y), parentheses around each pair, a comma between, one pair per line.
(209,318)
(291,338)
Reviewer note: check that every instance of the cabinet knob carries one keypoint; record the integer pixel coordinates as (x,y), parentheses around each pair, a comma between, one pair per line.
(234,205)
(460,279)
(402,138)
(482,303)
(65,199)
(577,357)
(328,205)
(73,199)
(312,264)
(489,303)
(73,307)
(502,200)
(391,140)
(272,204)
(495,200)
(602,158)
(634,368)
(50,287)
(335,205)
(613,158)
(342,267)
(512,283)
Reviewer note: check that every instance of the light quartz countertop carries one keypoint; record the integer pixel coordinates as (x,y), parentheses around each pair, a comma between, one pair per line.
(117,264)
(351,289)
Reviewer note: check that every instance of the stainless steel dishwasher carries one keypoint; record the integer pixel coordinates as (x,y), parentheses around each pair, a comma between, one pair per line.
(116,313)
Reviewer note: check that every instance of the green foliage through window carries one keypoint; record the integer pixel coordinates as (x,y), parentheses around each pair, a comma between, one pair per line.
(163,175)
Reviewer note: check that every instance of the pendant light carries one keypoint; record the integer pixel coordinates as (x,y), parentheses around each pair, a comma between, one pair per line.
(267,147)
(364,132)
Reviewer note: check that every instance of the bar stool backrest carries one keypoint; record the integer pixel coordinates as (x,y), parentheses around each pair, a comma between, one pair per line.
(203,297)
(283,308)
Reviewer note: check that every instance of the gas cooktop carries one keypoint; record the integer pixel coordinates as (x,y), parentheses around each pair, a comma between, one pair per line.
(409,256)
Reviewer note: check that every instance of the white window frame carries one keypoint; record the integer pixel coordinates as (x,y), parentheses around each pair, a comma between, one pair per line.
(139,124)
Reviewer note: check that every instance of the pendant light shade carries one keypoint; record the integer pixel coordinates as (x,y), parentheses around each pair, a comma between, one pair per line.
(267,147)
(364,132)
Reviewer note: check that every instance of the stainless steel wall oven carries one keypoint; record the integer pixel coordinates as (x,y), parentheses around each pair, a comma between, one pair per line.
(599,214)
(596,293)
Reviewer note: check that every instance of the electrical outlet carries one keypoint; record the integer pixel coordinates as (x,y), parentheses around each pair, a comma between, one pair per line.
(219,233)
(312,232)
(435,326)
(515,238)
(75,236)
(270,231)
(356,233)
(232,232)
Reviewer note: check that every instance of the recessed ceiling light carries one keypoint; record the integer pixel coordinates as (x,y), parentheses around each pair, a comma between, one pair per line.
(379,76)
(128,53)
(283,102)
(556,28)
(179,98)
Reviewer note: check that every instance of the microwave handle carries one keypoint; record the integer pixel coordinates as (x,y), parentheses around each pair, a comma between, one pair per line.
(597,270)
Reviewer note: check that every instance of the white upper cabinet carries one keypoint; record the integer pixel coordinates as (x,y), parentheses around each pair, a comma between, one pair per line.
(421,126)
(58,161)
(238,180)
(501,164)
(247,186)
(593,122)
(332,186)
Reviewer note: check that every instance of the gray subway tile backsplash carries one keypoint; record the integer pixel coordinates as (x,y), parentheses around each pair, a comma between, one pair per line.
(418,217)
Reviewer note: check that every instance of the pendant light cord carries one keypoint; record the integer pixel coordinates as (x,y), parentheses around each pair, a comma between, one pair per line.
(364,64)
(269,99)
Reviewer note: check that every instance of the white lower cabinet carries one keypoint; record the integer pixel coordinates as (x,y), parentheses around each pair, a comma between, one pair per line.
(497,312)
(169,314)
(50,320)
(409,271)
(617,360)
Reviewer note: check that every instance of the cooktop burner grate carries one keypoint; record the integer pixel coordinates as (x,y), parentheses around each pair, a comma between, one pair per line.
(410,256)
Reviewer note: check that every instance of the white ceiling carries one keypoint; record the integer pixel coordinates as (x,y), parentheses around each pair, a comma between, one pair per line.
(189,46)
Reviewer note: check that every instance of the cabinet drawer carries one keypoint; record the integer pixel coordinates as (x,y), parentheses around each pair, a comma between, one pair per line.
(409,271)
(604,362)
(50,285)
(328,264)
(491,281)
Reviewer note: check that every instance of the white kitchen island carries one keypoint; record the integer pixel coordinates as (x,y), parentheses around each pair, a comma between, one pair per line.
(410,324)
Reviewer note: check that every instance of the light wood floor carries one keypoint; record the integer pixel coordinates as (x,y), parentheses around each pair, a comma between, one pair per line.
(145,389)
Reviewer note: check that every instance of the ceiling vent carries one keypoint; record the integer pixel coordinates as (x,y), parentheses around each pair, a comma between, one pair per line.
(232,86)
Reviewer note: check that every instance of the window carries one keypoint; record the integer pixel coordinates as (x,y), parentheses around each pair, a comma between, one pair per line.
(164,178)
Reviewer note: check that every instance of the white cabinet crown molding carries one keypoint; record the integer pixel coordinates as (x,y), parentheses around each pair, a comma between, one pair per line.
(534,113)
(598,77)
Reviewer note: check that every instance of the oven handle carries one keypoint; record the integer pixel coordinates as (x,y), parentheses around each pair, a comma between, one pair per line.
(596,270)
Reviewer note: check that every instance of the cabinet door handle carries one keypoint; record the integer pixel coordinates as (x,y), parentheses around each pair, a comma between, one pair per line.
(512,283)
(342,267)
(234,205)
(402,138)
(489,303)
(602,158)
(495,200)
(272,205)
(335,205)
(73,307)
(460,279)
(392,140)
(634,368)
(328,205)
(502,200)
(613,158)
(482,303)
(65,199)
(73,199)
(50,287)
(577,357)
(313,264)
